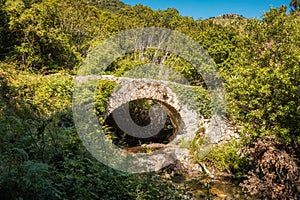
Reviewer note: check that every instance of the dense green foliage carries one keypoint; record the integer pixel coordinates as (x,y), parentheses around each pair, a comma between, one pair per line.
(42,44)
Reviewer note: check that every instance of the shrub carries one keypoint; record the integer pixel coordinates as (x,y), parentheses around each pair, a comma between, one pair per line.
(275,173)
(223,157)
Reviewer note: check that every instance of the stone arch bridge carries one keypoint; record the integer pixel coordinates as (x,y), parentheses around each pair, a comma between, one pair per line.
(186,121)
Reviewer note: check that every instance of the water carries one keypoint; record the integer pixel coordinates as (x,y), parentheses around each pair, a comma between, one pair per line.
(208,189)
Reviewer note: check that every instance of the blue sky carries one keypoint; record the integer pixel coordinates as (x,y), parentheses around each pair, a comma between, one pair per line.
(210,8)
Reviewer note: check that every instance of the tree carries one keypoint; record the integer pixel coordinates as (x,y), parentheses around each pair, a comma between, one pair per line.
(3,31)
(38,42)
(262,87)
(55,34)
(295,5)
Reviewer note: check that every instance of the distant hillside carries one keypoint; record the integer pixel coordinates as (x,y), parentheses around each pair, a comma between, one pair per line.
(230,16)
(109,5)
(228,19)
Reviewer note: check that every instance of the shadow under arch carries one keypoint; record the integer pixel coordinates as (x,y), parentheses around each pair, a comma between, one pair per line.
(139,112)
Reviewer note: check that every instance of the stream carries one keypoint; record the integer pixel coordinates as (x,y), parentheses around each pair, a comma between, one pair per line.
(210,189)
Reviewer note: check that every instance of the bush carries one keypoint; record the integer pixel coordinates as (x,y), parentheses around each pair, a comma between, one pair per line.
(275,173)
(222,157)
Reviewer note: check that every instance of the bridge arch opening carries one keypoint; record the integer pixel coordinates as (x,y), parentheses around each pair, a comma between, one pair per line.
(139,113)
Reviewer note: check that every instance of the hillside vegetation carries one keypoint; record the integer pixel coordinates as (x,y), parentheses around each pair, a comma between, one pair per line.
(42,45)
